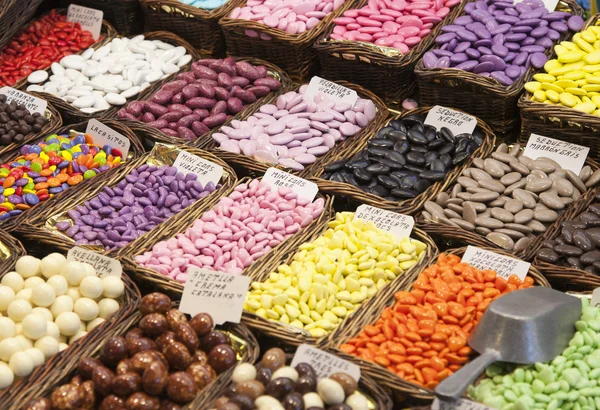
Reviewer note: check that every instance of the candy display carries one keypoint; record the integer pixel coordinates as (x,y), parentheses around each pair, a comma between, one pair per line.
(48,39)
(47,304)
(203,98)
(271,385)
(510,198)
(501,40)
(294,131)
(16,122)
(331,276)
(241,228)
(423,337)
(146,197)
(98,79)
(398,24)
(166,360)
(571,79)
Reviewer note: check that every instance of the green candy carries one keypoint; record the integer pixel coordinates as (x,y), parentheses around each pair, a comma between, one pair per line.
(89,174)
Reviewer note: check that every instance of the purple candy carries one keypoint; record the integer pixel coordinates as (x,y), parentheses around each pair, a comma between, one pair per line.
(538,60)
(512,71)
(501,78)
(483,67)
(575,23)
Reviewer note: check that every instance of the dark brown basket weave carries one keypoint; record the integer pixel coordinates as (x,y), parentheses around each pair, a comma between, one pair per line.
(13,14)
(73,114)
(370,313)
(150,135)
(558,121)
(294,53)
(481,96)
(455,236)
(64,362)
(65,371)
(125,15)
(409,206)
(198,26)
(257,167)
(294,337)
(383,70)
(170,286)
(35,228)
(13,250)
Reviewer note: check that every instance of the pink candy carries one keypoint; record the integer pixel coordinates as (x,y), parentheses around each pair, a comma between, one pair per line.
(241,228)
(291,16)
(400,24)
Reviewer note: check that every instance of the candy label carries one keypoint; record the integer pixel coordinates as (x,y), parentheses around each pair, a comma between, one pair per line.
(325,364)
(104,265)
(569,156)
(398,225)
(33,104)
(503,265)
(205,170)
(334,91)
(456,121)
(595,302)
(90,19)
(460,404)
(219,294)
(103,135)
(281,179)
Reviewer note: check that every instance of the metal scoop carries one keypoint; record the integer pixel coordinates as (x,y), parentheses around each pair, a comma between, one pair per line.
(524,327)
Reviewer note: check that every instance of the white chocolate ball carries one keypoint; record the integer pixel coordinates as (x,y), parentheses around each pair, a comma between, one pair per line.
(73,293)
(14,281)
(51,266)
(60,257)
(77,336)
(34,326)
(28,266)
(47,345)
(62,304)
(21,364)
(86,309)
(6,376)
(52,330)
(26,343)
(18,309)
(357,402)
(68,323)
(36,356)
(33,282)
(24,294)
(45,312)
(43,295)
(91,287)
(62,346)
(94,323)
(243,372)
(59,284)
(312,399)
(73,272)
(8,347)
(89,270)
(113,287)
(107,307)
(7,328)
(286,371)
(7,295)
(330,391)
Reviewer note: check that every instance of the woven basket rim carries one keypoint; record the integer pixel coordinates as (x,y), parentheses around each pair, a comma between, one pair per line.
(190,11)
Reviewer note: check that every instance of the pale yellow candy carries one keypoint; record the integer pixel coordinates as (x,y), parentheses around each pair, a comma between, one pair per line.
(576,91)
(571,56)
(552,86)
(593,79)
(552,64)
(583,44)
(565,83)
(553,96)
(574,75)
(593,57)
(544,78)
(568,99)
(591,68)
(588,36)
(585,107)
(560,49)
(591,87)
(569,46)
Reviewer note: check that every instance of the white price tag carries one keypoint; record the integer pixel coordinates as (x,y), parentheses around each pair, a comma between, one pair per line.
(595,298)
(103,135)
(90,19)
(399,225)
(219,294)
(461,404)
(104,265)
(569,156)
(205,170)
(281,179)
(503,265)
(456,121)
(332,90)
(33,104)
(325,364)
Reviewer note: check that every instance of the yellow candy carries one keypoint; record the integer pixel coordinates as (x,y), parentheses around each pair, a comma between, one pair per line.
(552,64)
(553,96)
(593,57)
(576,91)
(560,71)
(581,83)
(588,36)
(569,45)
(533,86)
(8,191)
(544,78)
(560,49)
(574,75)
(583,44)
(568,99)
(8,205)
(539,95)
(552,86)
(591,68)
(585,107)
(596,100)
(571,56)
(576,66)
(565,83)
(592,79)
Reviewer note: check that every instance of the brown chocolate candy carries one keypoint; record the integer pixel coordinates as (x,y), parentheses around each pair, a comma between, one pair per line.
(202,374)
(202,324)
(103,379)
(155,303)
(155,378)
(114,350)
(181,388)
(67,397)
(112,402)
(222,358)
(186,335)
(126,384)
(154,324)
(178,355)
(142,401)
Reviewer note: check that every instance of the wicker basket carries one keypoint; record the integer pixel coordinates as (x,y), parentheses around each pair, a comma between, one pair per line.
(410,206)
(257,167)
(383,70)
(41,228)
(10,250)
(294,337)
(453,236)
(294,53)
(13,15)
(559,121)
(368,314)
(150,135)
(72,114)
(65,361)
(248,352)
(165,284)
(125,15)
(198,26)
(481,96)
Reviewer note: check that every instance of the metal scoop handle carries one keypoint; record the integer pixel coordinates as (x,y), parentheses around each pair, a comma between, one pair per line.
(454,386)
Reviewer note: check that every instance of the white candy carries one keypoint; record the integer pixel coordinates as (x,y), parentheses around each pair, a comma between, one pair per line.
(73,271)
(14,281)
(47,345)
(113,287)
(36,356)
(62,304)
(91,287)
(7,328)
(28,266)
(131,92)
(286,371)
(59,284)
(24,294)
(73,61)
(357,402)
(87,54)
(312,400)
(330,391)
(18,309)
(94,323)
(38,76)
(85,101)
(169,68)
(33,282)
(51,265)
(7,295)
(62,346)
(44,312)
(86,309)
(57,69)
(26,343)
(73,293)
(88,270)
(6,376)
(52,330)
(77,335)
(243,372)
(43,295)
(34,326)
(9,347)
(107,307)
(21,364)
(115,99)
(68,323)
